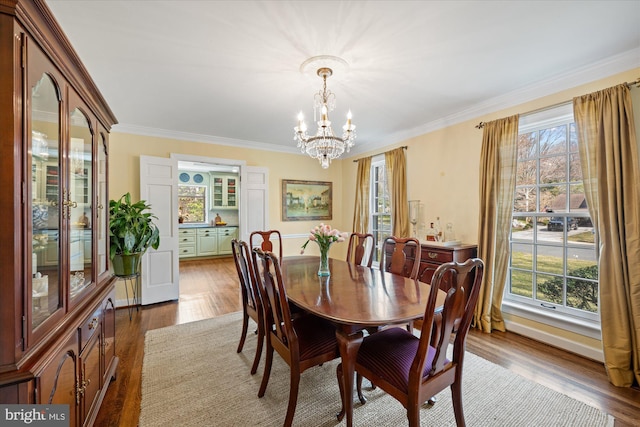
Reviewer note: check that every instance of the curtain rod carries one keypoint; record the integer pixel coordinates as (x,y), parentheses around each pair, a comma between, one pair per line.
(356,160)
(635,83)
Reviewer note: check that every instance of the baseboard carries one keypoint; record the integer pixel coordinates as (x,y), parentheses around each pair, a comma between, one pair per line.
(123,303)
(556,341)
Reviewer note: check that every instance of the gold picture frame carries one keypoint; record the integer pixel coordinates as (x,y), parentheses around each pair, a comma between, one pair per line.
(306,200)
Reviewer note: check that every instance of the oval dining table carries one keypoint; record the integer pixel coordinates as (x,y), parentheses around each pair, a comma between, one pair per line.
(354,298)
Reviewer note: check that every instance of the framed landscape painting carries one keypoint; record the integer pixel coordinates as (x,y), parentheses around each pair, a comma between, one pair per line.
(306,200)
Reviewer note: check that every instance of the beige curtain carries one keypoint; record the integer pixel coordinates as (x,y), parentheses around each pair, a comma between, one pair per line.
(609,158)
(497,186)
(361,208)
(396,166)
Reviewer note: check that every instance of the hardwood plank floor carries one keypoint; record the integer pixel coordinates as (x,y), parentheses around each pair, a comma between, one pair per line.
(209,288)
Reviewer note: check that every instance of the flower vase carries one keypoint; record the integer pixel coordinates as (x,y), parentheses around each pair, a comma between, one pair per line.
(323,270)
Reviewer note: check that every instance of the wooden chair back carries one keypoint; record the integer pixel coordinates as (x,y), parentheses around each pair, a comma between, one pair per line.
(455,317)
(361,247)
(266,240)
(277,311)
(401,256)
(244,267)
(251,299)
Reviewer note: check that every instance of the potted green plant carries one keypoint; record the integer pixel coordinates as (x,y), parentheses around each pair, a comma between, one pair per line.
(131,233)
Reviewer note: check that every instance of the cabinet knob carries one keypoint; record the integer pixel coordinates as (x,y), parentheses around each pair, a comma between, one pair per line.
(432,255)
(93,324)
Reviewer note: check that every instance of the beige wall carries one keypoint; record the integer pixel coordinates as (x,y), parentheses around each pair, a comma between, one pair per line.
(442,168)
(124,176)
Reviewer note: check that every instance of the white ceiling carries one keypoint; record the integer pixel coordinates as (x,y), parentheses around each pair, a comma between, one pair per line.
(229,71)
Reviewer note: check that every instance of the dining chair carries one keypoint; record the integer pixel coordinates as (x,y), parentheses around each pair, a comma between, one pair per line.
(401,256)
(251,299)
(302,342)
(411,369)
(265,241)
(361,247)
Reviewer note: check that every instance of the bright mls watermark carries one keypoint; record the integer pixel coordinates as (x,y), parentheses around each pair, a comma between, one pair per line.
(34,415)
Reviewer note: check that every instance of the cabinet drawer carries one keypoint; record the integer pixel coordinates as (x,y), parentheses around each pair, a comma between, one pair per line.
(186,232)
(207,231)
(187,240)
(89,327)
(186,251)
(437,255)
(226,231)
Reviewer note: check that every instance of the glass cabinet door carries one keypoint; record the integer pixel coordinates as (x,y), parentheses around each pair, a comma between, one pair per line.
(79,208)
(103,205)
(45,199)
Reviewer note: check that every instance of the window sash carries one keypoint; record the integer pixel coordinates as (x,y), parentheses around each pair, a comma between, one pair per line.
(550,255)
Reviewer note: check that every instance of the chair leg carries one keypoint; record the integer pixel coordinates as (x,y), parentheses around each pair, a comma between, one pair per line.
(293,395)
(363,400)
(413,414)
(267,369)
(340,414)
(256,359)
(456,397)
(245,325)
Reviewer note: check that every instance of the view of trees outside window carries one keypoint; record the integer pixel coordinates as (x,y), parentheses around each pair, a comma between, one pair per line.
(380,221)
(192,203)
(553,263)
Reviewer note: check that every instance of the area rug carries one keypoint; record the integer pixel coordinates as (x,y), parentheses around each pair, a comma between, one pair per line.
(192,376)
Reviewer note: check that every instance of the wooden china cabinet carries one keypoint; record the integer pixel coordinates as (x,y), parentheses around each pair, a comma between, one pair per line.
(57,314)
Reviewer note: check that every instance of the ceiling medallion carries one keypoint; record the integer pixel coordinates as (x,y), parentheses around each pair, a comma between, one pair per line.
(324,145)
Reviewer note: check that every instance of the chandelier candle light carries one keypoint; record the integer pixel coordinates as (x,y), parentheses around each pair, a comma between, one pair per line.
(324,145)
(324,236)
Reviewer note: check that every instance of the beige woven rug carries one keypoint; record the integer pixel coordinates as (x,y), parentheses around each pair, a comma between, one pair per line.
(192,376)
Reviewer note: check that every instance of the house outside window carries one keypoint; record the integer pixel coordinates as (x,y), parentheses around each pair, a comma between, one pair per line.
(553,268)
(192,204)
(380,220)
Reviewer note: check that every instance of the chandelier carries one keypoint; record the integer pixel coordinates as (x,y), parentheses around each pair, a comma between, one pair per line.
(324,145)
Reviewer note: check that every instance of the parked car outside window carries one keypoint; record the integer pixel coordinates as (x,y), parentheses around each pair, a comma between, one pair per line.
(556,223)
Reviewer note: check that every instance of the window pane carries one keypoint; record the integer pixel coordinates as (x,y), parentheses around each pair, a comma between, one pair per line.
(526,173)
(553,169)
(522,230)
(522,256)
(549,288)
(578,201)
(527,146)
(582,294)
(553,198)
(521,283)
(581,262)
(525,199)
(553,141)
(549,259)
(575,171)
(192,203)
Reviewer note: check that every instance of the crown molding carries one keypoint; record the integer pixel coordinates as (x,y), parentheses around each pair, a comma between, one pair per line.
(197,137)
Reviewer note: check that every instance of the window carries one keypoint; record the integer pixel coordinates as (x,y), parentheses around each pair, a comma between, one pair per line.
(380,205)
(192,202)
(553,267)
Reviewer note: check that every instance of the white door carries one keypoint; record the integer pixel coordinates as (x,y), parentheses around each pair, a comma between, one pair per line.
(255,200)
(159,187)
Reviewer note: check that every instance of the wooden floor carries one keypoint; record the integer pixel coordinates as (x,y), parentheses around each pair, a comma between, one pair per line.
(209,288)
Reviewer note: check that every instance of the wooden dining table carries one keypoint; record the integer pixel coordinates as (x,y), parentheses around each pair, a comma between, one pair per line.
(354,298)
